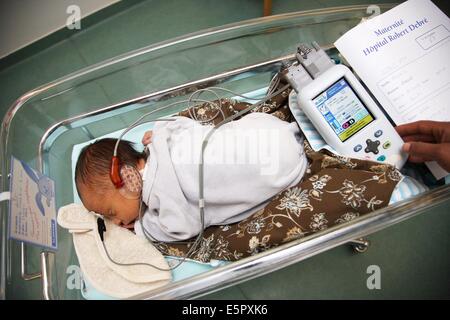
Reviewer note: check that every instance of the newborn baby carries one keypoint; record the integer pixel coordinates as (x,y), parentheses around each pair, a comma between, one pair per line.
(246,162)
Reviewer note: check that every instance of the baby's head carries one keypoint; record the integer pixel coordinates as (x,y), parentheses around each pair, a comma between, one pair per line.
(94,186)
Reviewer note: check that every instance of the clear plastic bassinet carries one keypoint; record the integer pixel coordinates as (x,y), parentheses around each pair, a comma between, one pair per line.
(43,125)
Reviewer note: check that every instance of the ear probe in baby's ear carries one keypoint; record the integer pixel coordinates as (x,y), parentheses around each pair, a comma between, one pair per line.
(114,173)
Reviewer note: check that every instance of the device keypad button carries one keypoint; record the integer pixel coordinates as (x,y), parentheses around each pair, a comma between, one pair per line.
(386,145)
(372,146)
(357,148)
(378,133)
(381,158)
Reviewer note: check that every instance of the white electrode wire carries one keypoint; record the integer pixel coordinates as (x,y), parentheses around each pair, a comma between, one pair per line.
(147,235)
(201,171)
(132,264)
(194,116)
(151,239)
(139,120)
(199,92)
(211,90)
(199,237)
(211,132)
(274,83)
(201,201)
(182,260)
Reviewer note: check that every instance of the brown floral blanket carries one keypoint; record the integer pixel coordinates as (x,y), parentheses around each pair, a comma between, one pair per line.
(334,190)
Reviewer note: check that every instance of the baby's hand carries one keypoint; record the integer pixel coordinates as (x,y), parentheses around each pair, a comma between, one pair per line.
(147,138)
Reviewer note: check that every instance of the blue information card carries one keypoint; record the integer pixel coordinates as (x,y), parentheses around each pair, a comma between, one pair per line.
(32,210)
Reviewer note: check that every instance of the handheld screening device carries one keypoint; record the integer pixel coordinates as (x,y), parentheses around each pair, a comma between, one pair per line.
(342,111)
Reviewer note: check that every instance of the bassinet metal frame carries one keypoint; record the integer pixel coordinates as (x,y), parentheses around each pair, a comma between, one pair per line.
(250,267)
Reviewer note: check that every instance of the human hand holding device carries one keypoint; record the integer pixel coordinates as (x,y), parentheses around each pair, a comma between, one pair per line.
(427,141)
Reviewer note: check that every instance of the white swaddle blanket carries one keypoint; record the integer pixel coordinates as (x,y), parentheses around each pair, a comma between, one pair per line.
(118,281)
(246,162)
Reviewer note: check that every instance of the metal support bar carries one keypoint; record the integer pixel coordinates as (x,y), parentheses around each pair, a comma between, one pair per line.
(46,265)
(23,265)
(45,274)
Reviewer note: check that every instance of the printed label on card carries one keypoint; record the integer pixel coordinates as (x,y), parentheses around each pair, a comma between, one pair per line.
(32,210)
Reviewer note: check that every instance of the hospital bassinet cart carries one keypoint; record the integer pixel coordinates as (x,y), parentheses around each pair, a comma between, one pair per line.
(43,125)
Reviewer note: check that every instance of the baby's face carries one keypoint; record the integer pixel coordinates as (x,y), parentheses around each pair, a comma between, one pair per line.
(112,205)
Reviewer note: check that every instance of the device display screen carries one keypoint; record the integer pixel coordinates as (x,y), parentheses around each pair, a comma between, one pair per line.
(342,109)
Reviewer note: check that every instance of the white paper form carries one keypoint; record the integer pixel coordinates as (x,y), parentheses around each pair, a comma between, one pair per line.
(32,211)
(403,56)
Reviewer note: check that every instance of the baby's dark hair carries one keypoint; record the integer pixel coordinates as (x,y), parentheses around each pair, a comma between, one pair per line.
(94,163)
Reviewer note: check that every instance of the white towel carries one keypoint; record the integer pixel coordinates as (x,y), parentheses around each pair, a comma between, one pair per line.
(246,162)
(123,246)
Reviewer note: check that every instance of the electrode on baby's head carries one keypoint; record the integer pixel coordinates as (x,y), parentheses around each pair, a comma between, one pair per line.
(132,182)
